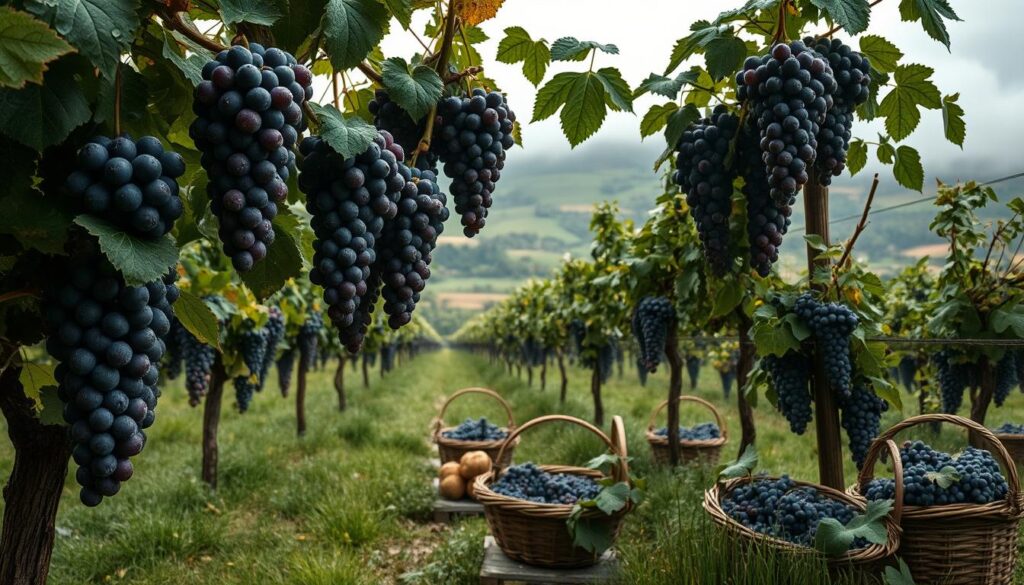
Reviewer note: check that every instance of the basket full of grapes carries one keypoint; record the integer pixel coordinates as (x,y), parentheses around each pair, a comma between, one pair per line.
(473,434)
(803,518)
(553,515)
(701,443)
(1012,437)
(961,512)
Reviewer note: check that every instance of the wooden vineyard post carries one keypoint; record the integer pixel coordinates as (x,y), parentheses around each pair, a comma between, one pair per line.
(981,398)
(675,390)
(211,421)
(544,374)
(33,490)
(746,364)
(339,384)
(826,411)
(595,391)
(366,372)
(300,393)
(565,379)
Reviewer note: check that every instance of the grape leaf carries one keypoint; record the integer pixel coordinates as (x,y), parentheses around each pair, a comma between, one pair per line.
(774,339)
(724,56)
(35,221)
(192,66)
(613,498)
(263,12)
(677,123)
(300,22)
(348,136)
(953,124)
(34,377)
(899,575)
(584,109)
(702,33)
(43,115)
(552,96)
(1004,318)
(517,46)
(352,28)
(900,106)
(832,538)
(886,153)
(857,156)
(666,86)
(571,49)
(416,91)
(743,465)
(473,12)
(49,407)
(618,96)
(944,477)
(852,15)
(931,14)
(197,317)
(883,55)
(26,46)
(139,261)
(749,9)
(593,537)
(656,118)
(908,170)
(283,261)
(100,29)
(401,10)
(134,98)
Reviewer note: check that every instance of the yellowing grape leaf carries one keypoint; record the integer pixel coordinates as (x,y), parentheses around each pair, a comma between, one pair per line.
(473,12)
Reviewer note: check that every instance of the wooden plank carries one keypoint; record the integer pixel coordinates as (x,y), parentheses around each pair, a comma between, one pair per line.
(498,569)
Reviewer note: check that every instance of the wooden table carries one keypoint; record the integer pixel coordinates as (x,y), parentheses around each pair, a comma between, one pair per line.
(498,569)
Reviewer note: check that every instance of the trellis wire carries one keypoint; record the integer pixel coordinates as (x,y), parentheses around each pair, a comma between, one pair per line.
(950,342)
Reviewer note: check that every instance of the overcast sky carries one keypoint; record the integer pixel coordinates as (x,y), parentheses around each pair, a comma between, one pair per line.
(984,66)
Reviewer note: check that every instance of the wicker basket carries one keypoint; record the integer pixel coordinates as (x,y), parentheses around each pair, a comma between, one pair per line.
(1014,446)
(453,449)
(868,558)
(956,544)
(536,534)
(704,451)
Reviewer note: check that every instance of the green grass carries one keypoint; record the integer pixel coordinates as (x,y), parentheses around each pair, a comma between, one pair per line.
(350,502)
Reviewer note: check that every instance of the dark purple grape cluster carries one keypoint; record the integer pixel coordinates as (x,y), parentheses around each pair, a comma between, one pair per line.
(705,175)
(953,379)
(406,243)
(129,183)
(782,509)
(790,91)
(476,430)
(907,370)
(308,338)
(199,360)
(350,200)
(789,376)
(578,333)
(767,219)
(974,474)
(1009,429)
(852,73)
(285,366)
(526,481)
(390,117)
(651,322)
(253,349)
(109,338)
(832,324)
(174,355)
(471,137)
(699,432)
(861,417)
(1006,377)
(249,116)
(274,330)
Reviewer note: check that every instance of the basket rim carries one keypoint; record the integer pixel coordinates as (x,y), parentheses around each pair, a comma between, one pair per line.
(661,441)
(712,504)
(719,420)
(489,498)
(1000,509)
(510,425)
(440,439)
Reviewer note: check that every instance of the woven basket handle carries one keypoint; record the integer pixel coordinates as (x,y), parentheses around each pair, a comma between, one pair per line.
(486,392)
(620,472)
(867,472)
(991,443)
(718,416)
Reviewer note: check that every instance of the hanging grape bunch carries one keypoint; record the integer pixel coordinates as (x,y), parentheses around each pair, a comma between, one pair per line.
(1006,377)
(249,108)
(789,91)
(789,376)
(108,337)
(651,322)
(274,330)
(390,117)
(832,324)
(767,219)
(130,184)
(852,73)
(253,349)
(952,379)
(307,339)
(406,243)
(471,138)
(199,360)
(350,199)
(861,416)
(285,365)
(705,175)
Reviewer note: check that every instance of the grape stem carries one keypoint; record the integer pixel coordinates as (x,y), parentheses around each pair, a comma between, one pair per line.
(861,225)
(446,39)
(334,90)
(428,132)
(17,294)
(467,72)
(311,119)
(176,22)
(117,99)
(780,28)
(370,73)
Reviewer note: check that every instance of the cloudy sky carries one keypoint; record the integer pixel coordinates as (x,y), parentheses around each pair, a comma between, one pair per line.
(984,67)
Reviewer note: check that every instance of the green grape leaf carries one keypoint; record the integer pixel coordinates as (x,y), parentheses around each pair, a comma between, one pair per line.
(139,261)
(899,575)
(702,33)
(44,115)
(553,95)
(666,86)
(192,66)
(348,136)
(34,377)
(931,14)
(416,91)
(197,317)
(352,28)
(26,46)
(832,538)
(100,29)
(584,109)
(724,56)
(263,12)
(886,153)
(618,96)
(678,122)
(1004,318)
(773,339)
(283,261)
(883,55)
(571,49)
(656,118)
(593,537)
(134,98)
(944,477)
(908,170)
(742,467)
(747,11)
(34,220)
(857,156)
(49,407)
(517,46)
(900,106)
(300,22)
(613,498)
(953,124)
(852,15)
(401,10)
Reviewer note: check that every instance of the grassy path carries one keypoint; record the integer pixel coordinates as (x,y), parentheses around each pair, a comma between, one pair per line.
(350,502)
